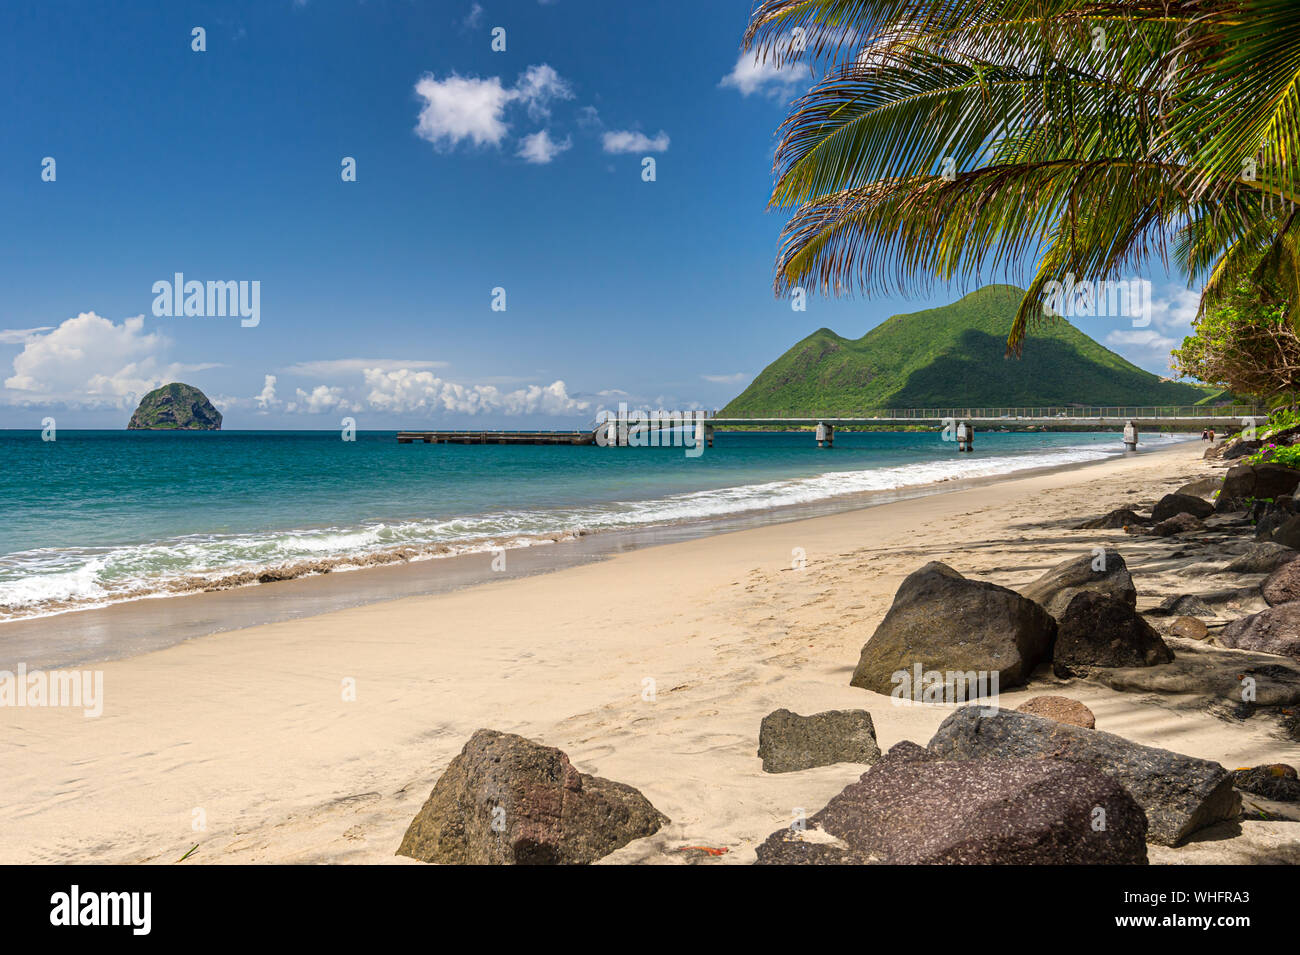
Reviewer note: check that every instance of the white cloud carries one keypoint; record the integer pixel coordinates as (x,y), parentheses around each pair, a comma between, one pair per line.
(751,75)
(407,391)
(320,399)
(461,108)
(539,148)
(89,360)
(725,379)
(630,141)
(334,367)
(474,17)
(267,398)
(21,336)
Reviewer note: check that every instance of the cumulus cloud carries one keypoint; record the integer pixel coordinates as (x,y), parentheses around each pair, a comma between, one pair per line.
(320,399)
(540,148)
(631,141)
(266,399)
(92,361)
(405,390)
(752,75)
(461,108)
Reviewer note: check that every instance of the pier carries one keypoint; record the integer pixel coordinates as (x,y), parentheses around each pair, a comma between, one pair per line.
(696,428)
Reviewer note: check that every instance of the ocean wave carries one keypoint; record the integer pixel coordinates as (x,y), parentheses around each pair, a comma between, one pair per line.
(48,581)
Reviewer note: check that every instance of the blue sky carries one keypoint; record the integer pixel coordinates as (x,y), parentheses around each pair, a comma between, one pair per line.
(475,170)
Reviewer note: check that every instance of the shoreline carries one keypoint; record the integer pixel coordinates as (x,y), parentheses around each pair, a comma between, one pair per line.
(249,733)
(127,627)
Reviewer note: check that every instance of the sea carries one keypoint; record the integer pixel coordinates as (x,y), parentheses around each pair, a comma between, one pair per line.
(103,517)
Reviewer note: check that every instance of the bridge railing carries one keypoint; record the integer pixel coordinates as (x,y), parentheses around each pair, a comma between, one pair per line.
(1012,413)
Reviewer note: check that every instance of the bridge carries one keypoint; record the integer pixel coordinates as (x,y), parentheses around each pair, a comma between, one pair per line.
(696,428)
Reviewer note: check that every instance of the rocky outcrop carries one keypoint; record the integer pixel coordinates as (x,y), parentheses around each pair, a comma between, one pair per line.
(1059,708)
(788,742)
(1202,487)
(175,407)
(1277,782)
(1262,558)
(1173,504)
(1180,794)
(1255,481)
(942,621)
(913,811)
(1104,573)
(505,800)
(1212,675)
(1275,630)
(1099,631)
(1117,519)
(1283,585)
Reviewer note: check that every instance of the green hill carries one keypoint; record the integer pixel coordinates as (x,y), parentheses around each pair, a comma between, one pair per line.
(954,356)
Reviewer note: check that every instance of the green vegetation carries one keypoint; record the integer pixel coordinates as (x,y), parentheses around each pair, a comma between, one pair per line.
(958,138)
(175,407)
(953,356)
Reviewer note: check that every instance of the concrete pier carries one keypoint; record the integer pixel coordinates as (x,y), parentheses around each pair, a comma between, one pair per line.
(1131,436)
(965,436)
(825,435)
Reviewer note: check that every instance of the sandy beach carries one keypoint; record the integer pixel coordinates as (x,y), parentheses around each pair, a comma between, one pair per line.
(653,668)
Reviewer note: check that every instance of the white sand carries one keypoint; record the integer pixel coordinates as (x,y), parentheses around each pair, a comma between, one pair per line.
(251,727)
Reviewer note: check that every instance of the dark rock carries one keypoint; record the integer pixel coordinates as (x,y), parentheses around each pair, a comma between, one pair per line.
(1283,585)
(1183,605)
(175,407)
(1212,675)
(905,751)
(1180,794)
(990,811)
(505,800)
(1178,524)
(1275,630)
(1262,558)
(1287,533)
(943,621)
(1256,481)
(1059,708)
(1277,782)
(1173,504)
(1119,518)
(1104,573)
(788,742)
(1099,631)
(1202,487)
(1239,449)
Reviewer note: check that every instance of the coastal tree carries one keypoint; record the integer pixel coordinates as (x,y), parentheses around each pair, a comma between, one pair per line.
(951,138)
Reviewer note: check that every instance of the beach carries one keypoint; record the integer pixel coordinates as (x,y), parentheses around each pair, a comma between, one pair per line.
(317,739)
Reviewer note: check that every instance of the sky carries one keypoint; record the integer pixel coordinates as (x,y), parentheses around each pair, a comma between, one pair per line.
(442,233)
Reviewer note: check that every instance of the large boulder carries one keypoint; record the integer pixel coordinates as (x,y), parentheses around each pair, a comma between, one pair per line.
(1059,708)
(1245,481)
(175,407)
(1275,630)
(1283,585)
(1012,812)
(1100,631)
(1287,533)
(788,742)
(1262,558)
(1180,794)
(941,621)
(1104,573)
(1202,487)
(1173,504)
(505,800)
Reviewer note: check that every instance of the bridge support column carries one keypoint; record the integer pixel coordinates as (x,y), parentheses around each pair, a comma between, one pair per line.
(965,436)
(825,435)
(708,435)
(1131,436)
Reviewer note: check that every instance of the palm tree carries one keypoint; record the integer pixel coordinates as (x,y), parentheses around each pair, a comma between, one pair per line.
(950,138)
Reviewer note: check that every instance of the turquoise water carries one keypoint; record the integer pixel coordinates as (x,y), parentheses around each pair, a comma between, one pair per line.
(98,517)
